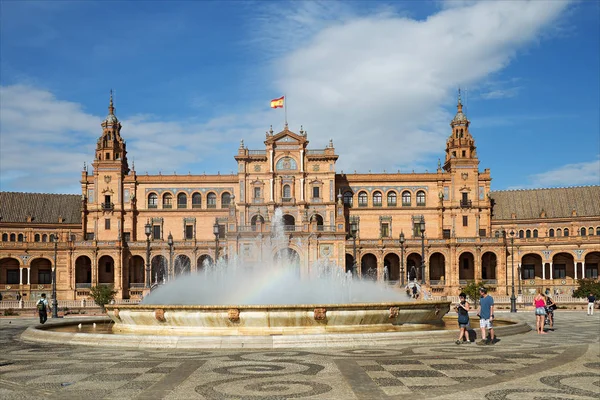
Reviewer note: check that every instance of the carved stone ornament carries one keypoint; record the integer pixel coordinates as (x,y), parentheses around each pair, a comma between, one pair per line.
(394,311)
(233,314)
(116,314)
(159,314)
(257,168)
(320,314)
(464,175)
(437,310)
(107,178)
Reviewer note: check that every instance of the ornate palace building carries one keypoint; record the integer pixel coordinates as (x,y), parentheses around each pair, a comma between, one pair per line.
(131,230)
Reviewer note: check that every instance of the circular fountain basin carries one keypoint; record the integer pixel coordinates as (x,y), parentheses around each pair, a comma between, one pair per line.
(228,320)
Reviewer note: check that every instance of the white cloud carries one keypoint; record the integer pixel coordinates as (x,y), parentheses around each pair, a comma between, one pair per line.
(379,85)
(377,82)
(584,173)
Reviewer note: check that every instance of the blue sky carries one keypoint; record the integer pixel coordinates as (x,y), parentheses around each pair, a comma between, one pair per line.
(379,78)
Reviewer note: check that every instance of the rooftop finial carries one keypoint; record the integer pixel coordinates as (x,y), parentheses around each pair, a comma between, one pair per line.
(111,108)
(459,105)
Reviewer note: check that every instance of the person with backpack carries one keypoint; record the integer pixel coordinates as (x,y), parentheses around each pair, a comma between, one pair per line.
(42,307)
(462,308)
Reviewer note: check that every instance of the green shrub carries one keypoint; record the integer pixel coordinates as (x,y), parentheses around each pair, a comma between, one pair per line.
(9,312)
(587,286)
(472,291)
(102,295)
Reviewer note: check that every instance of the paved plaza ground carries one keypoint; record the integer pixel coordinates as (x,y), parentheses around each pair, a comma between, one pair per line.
(564,364)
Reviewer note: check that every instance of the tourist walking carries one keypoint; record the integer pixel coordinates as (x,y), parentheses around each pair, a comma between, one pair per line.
(42,306)
(591,301)
(540,312)
(486,317)
(462,308)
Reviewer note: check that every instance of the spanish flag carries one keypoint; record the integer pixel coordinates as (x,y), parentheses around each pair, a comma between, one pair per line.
(277,103)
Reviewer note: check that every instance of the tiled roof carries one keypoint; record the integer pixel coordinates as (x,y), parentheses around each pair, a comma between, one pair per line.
(556,202)
(45,208)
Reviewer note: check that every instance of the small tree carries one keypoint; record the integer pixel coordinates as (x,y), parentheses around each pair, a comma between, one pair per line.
(102,295)
(587,286)
(472,291)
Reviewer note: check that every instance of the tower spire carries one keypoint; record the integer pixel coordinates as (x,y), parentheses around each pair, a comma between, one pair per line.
(111,108)
(459,105)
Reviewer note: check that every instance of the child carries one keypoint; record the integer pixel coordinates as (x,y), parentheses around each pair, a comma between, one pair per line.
(462,308)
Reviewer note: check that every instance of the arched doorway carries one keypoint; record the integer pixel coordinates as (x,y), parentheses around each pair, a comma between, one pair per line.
(437,268)
(317,220)
(349,262)
(392,263)
(592,262)
(287,256)
(136,271)
(106,270)
(413,266)
(563,266)
(203,261)
(368,267)
(182,265)
(41,271)
(83,272)
(531,267)
(489,263)
(466,267)
(9,271)
(289,222)
(159,270)
(257,220)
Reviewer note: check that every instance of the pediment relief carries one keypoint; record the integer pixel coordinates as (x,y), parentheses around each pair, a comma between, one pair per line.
(107,190)
(286,139)
(465,189)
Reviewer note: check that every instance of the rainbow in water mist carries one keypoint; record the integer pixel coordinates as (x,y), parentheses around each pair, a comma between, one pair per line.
(277,281)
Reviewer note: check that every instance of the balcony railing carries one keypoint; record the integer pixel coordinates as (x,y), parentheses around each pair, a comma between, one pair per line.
(326,228)
(258,200)
(196,205)
(152,206)
(83,285)
(466,203)
(167,206)
(377,204)
(289,228)
(257,152)
(287,199)
(391,204)
(108,206)
(136,286)
(211,206)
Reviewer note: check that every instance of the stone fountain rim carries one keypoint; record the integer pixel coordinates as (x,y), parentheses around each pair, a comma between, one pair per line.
(225,307)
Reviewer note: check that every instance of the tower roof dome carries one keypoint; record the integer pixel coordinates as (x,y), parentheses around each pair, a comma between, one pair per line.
(111,118)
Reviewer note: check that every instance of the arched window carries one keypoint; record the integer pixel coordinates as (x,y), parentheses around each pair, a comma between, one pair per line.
(348,199)
(44,238)
(521,234)
(167,200)
(583,232)
(196,200)
(591,231)
(535,233)
(598,231)
(12,237)
(20,237)
(391,199)
(363,199)
(181,200)
(528,234)
(287,192)
(566,231)
(406,198)
(421,198)
(551,233)
(5,237)
(211,200)
(377,199)
(152,200)
(559,232)
(36,237)
(225,200)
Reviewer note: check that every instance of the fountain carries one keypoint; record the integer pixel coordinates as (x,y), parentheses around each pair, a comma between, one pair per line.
(272,303)
(274,297)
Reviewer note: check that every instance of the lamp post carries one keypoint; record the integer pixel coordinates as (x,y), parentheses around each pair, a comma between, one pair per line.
(519,275)
(353,231)
(422,226)
(170,243)
(148,231)
(402,257)
(54,300)
(513,299)
(216,233)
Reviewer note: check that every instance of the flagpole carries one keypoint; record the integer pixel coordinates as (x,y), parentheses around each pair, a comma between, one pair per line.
(285,108)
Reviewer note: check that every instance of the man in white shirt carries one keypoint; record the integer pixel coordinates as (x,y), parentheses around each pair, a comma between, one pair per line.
(43,307)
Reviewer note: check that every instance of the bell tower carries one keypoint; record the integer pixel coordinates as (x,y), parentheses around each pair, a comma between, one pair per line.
(460,146)
(110,166)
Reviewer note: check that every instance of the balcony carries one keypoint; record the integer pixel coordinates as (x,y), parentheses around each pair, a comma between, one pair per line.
(391,204)
(466,204)
(136,286)
(108,206)
(83,285)
(287,199)
(167,206)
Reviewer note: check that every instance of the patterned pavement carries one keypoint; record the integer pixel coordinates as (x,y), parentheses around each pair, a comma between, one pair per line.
(564,364)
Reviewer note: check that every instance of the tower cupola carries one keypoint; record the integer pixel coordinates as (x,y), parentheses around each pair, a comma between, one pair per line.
(111,147)
(460,145)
